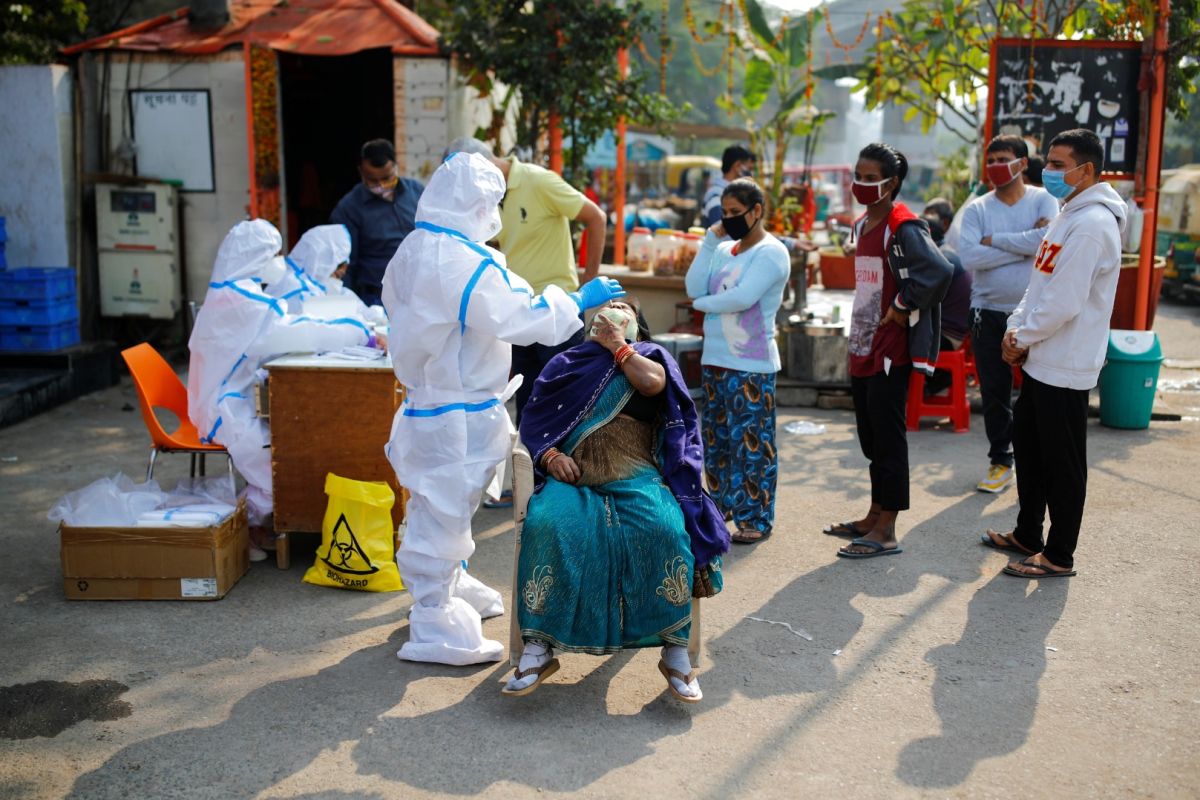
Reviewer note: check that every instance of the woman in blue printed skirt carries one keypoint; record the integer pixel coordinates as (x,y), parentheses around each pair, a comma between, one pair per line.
(738,282)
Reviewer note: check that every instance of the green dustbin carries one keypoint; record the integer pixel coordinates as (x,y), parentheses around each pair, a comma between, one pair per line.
(1129,379)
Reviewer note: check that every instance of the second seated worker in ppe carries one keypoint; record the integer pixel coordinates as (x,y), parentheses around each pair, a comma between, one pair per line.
(456,310)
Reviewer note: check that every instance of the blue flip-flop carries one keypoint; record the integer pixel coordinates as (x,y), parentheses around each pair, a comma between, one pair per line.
(877,549)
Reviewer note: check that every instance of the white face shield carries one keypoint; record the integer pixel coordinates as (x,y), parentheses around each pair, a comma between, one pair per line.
(464,195)
(272,271)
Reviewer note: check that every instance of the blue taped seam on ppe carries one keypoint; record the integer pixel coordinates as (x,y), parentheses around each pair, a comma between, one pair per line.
(446,409)
(305,281)
(338,321)
(465,302)
(541,302)
(238,395)
(233,369)
(209,439)
(270,301)
(487,261)
(462,237)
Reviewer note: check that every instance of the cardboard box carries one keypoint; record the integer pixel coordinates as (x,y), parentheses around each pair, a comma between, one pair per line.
(155,563)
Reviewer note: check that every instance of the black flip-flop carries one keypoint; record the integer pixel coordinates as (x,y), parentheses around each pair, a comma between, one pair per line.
(844,529)
(986,540)
(1046,571)
(877,549)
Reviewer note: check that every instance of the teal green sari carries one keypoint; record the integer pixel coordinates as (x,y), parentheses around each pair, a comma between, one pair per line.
(609,567)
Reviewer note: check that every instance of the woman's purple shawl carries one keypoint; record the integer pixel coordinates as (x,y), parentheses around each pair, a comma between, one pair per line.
(566,391)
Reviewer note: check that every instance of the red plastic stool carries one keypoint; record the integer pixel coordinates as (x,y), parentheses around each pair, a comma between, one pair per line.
(953,405)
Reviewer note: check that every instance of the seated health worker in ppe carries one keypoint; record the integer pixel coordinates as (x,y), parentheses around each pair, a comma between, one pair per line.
(314,264)
(239,327)
(455,312)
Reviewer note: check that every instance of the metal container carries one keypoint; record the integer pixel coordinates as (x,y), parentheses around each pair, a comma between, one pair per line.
(818,352)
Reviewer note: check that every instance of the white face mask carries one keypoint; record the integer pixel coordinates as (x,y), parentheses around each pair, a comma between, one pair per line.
(622,319)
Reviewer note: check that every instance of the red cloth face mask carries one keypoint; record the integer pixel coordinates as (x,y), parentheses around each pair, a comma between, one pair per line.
(868,193)
(1003,174)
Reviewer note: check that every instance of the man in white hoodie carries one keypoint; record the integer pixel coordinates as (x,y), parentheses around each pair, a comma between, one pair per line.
(1059,335)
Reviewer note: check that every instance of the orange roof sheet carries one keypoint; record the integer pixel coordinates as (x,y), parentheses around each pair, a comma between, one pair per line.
(308,27)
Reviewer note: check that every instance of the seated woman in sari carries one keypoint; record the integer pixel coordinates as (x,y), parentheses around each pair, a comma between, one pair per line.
(620,534)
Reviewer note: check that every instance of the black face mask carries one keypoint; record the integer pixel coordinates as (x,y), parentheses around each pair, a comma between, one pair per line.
(737,227)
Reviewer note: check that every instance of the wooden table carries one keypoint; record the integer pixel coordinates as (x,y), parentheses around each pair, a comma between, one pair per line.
(327,414)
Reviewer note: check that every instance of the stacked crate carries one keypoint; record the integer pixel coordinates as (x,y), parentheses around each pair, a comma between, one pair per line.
(38,309)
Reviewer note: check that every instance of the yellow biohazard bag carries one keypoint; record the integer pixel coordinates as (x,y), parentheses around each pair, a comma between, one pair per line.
(357,546)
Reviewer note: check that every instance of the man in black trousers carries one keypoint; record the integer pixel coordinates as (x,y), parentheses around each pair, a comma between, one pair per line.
(1059,336)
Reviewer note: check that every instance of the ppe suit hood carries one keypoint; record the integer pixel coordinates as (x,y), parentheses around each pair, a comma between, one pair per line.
(247,252)
(464,195)
(321,249)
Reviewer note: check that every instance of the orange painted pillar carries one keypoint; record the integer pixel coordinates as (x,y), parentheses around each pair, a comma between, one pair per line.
(619,180)
(556,136)
(252,176)
(1153,167)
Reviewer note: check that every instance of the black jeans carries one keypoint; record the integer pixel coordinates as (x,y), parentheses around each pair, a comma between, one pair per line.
(879,405)
(1050,441)
(995,382)
(528,360)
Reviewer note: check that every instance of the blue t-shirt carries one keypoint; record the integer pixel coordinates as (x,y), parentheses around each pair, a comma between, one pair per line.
(377,227)
(739,293)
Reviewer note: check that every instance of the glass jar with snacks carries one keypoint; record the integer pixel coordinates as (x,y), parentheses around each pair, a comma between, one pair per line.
(639,252)
(666,251)
(689,246)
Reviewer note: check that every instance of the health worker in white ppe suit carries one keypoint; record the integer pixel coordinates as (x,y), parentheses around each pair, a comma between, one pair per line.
(455,312)
(311,267)
(239,327)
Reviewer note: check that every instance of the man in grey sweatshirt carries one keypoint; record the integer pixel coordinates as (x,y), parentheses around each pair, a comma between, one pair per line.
(1059,335)
(999,236)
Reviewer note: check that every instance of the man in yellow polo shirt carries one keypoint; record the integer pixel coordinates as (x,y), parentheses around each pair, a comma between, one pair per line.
(536,215)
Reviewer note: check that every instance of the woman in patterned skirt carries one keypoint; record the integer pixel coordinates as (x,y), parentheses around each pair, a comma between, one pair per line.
(619,535)
(739,284)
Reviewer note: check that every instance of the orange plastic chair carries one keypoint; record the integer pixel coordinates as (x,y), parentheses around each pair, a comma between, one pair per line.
(159,387)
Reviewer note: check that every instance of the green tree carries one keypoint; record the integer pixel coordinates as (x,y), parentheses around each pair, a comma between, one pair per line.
(555,56)
(933,58)
(33,32)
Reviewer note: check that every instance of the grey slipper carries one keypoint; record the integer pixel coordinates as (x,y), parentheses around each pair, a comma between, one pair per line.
(877,549)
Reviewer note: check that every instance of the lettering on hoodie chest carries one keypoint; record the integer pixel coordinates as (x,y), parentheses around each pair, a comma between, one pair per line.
(1047,257)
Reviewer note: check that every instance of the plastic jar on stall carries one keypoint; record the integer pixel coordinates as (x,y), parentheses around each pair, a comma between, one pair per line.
(688,248)
(666,246)
(639,251)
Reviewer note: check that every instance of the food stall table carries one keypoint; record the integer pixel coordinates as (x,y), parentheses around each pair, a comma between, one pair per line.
(327,414)
(657,293)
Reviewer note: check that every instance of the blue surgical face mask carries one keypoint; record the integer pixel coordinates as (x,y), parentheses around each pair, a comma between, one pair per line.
(1054,182)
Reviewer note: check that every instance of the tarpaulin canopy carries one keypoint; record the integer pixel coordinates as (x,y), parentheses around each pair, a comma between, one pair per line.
(307,27)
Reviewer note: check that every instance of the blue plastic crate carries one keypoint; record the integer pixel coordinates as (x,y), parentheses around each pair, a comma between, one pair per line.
(38,312)
(37,283)
(39,337)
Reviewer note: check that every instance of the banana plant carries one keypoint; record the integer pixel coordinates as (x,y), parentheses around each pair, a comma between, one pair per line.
(777,71)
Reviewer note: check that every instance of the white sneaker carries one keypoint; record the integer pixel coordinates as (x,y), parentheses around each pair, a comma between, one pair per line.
(257,553)
(998,479)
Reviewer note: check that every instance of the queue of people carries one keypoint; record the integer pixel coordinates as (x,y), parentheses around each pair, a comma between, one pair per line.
(636,490)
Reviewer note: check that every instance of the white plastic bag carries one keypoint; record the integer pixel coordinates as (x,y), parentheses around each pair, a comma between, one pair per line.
(108,502)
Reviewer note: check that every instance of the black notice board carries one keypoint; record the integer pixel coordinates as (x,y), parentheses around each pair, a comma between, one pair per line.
(1075,84)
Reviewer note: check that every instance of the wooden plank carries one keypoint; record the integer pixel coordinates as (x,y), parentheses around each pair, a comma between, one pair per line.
(328,420)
